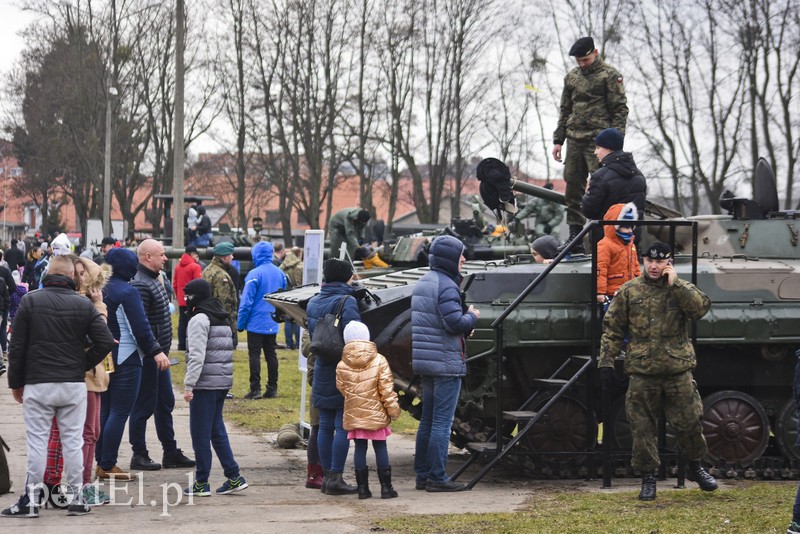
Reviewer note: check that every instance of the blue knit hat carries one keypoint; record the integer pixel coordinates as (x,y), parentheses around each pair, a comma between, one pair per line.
(610,138)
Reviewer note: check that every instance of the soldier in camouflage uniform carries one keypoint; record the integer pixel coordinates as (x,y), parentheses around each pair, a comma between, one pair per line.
(222,287)
(548,215)
(347,226)
(593,99)
(653,311)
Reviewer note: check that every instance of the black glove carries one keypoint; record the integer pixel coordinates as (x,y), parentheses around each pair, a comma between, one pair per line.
(548,229)
(608,377)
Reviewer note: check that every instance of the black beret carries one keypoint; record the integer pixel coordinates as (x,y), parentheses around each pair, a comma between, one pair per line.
(658,251)
(335,270)
(363,216)
(493,169)
(582,47)
(190,249)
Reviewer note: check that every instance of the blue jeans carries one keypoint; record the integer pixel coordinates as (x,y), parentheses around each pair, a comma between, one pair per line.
(115,407)
(208,429)
(155,397)
(439,399)
(332,440)
(381,453)
(292,332)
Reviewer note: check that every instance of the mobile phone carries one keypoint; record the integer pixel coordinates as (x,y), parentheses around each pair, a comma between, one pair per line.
(174,361)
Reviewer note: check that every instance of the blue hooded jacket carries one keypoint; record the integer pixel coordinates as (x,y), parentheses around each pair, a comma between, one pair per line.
(126,318)
(255,313)
(438,324)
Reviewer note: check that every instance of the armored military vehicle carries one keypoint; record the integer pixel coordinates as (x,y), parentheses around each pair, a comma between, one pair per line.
(539,355)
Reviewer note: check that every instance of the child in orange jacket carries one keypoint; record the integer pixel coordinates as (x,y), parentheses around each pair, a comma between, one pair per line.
(617,261)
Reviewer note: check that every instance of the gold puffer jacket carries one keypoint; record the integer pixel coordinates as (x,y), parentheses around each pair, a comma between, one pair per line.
(366,381)
(96,277)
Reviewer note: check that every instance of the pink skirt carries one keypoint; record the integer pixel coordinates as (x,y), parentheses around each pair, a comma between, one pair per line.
(381,434)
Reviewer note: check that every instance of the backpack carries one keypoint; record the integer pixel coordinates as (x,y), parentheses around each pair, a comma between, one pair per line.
(5,475)
(327,343)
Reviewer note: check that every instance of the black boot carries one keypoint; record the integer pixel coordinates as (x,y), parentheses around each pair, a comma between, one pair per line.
(337,486)
(385,477)
(574,230)
(326,475)
(648,492)
(696,473)
(362,479)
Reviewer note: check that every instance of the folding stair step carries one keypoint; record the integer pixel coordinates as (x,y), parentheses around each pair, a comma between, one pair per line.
(519,415)
(549,381)
(482,446)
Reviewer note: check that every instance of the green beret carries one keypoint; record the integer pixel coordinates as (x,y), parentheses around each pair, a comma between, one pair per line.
(223,249)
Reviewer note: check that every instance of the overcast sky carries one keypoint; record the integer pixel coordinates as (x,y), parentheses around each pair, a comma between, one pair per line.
(11,44)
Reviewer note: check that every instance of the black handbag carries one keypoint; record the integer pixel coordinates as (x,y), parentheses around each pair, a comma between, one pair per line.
(327,342)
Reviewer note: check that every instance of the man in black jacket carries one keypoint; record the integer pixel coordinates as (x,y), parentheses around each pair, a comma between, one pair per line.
(7,287)
(155,389)
(48,360)
(617,181)
(14,256)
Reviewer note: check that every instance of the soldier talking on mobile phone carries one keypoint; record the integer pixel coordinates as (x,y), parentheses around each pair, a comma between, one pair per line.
(653,311)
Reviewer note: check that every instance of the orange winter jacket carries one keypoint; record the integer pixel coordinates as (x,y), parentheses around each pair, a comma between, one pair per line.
(616,262)
(366,381)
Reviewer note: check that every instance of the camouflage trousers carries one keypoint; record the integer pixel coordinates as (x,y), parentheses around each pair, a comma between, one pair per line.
(579,163)
(677,397)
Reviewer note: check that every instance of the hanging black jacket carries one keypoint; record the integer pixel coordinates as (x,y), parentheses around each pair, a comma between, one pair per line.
(617,181)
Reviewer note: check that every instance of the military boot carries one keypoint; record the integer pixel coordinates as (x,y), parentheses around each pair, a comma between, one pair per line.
(648,492)
(696,473)
(574,230)
(385,476)
(362,481)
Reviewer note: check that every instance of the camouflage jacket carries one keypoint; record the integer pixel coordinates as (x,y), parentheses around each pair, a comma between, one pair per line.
(223,288)
(655,318)
(592,100)
(292,267)
(546,212)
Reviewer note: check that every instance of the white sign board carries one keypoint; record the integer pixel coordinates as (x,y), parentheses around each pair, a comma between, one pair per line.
(313,256)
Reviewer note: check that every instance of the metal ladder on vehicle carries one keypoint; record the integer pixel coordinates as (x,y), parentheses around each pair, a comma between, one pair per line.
(525,418)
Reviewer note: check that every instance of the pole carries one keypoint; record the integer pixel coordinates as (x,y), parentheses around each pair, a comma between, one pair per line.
(177,180)
(107,169)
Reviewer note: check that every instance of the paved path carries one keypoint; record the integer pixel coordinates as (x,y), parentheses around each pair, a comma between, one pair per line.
(276,500)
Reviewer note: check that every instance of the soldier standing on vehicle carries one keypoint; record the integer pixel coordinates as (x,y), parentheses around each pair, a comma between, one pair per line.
(593,99)
(653,311)
(347,226)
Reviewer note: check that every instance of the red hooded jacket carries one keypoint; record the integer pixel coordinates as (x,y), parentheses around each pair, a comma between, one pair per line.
(186,271)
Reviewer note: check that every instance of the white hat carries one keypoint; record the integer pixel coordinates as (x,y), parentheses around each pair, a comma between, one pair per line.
(356,331)
(61,245)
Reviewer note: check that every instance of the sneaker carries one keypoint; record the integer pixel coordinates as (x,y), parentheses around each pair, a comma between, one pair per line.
(232,485)
(94,496)
(176,459)
(198,489)
(115,472)
(2,369)
(271,393)
(22,508)
(253,395)
(794,528)
(78,509)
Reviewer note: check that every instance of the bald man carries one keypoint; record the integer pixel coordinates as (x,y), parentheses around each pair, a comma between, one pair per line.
(155,389)
(58,336)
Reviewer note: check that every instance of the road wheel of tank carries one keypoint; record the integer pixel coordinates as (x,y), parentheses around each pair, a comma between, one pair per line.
(786,430)
(618,429)
(735,426)
(563,428)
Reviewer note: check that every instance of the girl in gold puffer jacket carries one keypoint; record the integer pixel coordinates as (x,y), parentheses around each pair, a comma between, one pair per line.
(365,380)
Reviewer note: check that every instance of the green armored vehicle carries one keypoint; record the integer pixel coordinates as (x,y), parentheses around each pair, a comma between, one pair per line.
(747,261)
